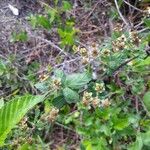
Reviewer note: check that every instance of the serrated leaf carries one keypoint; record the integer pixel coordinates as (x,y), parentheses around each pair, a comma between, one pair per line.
(70,95)
(146,100)
(59,101)
(77,81)
(13,111)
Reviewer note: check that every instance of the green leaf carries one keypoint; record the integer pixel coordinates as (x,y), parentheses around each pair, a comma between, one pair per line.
(120,123)
(145,62)
(51,14)
(146,138)
(77,81)
(70,95)
(33,21)
(13,111)
(137,145)
(146,100)
(25,146)
(105,129)
(59,101)
(56,2)
(59,74)
(42,86)
(47,106)
(16,37)
(66,5)
(67,34)
(43,22)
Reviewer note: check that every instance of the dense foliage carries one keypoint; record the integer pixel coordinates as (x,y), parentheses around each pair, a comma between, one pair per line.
(106,104)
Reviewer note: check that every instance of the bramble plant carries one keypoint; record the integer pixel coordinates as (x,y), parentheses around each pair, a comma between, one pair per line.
(106,104)
(104,116)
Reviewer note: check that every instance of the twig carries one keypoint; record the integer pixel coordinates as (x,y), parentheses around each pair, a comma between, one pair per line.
(3,57)
(66,62)
(137,25)
(122,17)
(133,6)
(50,43)
(142,30)
(56,66)
(65,127)
(136,104)
(90,32)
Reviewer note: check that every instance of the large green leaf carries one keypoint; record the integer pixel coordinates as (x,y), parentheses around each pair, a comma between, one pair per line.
(120,123)
(59,101)
(13,111)
(146,99)
(70,95)
(138,144)
(141,139)
(146,138)
(77,81)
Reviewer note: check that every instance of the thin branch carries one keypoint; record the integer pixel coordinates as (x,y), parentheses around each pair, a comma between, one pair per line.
(143,30)
(122,17)
(50,43)
(57,66)
(133,6)
(139,24)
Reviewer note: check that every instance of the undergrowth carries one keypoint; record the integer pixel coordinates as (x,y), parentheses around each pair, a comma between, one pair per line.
(105,104)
